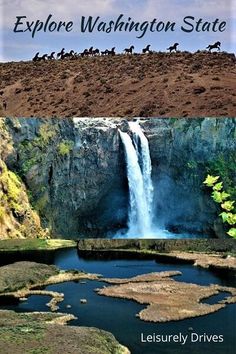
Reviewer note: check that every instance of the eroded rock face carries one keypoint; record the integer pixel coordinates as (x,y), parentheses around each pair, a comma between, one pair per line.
(167,299)
(17,219)
(75,171)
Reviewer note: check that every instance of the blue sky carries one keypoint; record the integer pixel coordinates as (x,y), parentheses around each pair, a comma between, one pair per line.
(21,46)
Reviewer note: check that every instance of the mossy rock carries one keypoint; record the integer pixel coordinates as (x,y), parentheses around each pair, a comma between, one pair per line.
(35,333)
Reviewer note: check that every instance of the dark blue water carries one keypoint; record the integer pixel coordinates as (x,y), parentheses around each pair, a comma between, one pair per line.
(118,315)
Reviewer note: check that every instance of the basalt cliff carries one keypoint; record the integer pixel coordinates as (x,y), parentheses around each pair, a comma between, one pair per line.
(72,174)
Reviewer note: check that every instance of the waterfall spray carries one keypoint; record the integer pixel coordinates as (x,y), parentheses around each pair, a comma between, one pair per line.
(145,162)
(139,180)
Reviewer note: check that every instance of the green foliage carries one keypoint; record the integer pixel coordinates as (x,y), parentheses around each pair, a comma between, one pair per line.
(65,147)
(46,132)
(41,203)
(232,232)
(230,218)
(11,195)
(224,166)
(33,152)
(210,180)
(229,205)
(219,196)
(2,213)
(218,186)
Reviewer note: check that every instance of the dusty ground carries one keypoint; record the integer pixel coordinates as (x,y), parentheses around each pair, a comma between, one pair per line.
(167,299)
(43,333)
(175,85)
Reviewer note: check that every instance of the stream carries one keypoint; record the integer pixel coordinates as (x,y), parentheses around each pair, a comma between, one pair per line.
(118,315)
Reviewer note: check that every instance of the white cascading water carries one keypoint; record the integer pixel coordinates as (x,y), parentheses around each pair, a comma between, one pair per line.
(139,170)
(145,161)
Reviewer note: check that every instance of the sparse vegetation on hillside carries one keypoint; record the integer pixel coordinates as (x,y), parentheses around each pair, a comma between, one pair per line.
(161,84)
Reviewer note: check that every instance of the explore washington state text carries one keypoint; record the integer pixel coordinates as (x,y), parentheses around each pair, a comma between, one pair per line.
(120,24)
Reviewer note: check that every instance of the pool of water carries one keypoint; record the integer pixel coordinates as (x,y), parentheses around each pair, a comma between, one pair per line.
(118,315)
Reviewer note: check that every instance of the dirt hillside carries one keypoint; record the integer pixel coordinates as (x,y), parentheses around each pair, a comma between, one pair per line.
(160,84)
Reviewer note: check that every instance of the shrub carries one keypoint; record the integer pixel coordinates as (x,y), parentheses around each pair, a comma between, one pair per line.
(65,147)
(227,206)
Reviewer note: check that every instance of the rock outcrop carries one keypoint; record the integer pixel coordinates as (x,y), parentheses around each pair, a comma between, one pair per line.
(75,171)
(17,218)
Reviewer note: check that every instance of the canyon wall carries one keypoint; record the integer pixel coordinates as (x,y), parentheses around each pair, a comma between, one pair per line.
(75,172)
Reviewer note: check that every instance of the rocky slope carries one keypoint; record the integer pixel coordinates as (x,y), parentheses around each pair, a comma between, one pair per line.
(182,84)
(45,332)
(17,218)
(75,171)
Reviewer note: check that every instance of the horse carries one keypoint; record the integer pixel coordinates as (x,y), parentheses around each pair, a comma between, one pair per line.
(214,46)
(62,52)
(67,55)
(173,47)
(43,58)
(51,56)
(129,50)
(111,52)
(85,53)
(147,49)
(36,57)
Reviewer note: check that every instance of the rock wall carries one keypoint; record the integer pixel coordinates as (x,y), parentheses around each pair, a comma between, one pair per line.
(183,152)
(17,218)
(75,171)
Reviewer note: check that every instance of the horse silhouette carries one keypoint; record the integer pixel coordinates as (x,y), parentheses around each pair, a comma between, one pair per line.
(173,47)
(129,50)
(216,45)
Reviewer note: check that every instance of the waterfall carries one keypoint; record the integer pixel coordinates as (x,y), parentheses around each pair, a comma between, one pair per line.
(145,161)
(139,180)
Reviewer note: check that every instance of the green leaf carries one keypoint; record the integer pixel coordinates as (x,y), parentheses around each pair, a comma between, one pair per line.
(218,186)
(224,216)
(219,197)
(229,205)
(232,232)
(225,195)
(230,218)
(211,180)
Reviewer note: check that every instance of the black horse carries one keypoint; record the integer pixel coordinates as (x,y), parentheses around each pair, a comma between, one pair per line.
(146,49)
(214,46)
(173,47)
(129,50)
(62,52)
(111,52)
(68,55)
(51,56)
(36,57)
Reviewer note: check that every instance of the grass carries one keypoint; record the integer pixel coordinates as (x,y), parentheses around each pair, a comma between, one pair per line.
(34,244)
